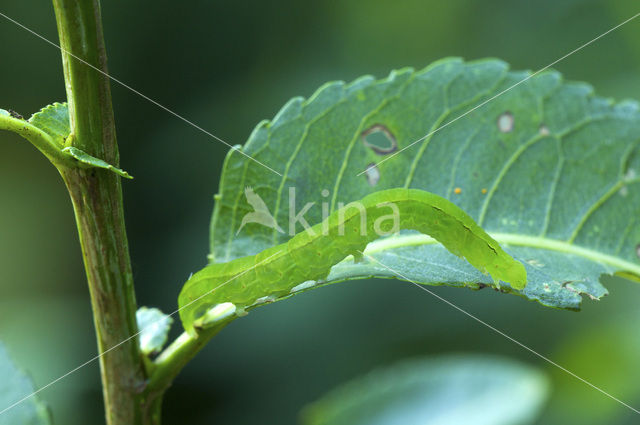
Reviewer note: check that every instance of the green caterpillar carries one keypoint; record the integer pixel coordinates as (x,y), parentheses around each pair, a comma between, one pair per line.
(310,254)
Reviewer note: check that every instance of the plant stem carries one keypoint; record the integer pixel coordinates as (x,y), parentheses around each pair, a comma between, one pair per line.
(97,200)
(176,356)
(41,140)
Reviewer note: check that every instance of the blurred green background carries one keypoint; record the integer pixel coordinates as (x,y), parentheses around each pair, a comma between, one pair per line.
(226,66)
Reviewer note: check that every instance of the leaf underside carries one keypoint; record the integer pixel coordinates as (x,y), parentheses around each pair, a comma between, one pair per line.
(15,385)
(548,169)
(481,390)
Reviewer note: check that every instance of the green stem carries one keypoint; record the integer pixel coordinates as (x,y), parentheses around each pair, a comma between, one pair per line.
(176,356)
(97,200)
(41,140)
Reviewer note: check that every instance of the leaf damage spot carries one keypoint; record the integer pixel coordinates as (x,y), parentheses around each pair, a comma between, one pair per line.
(505,122)
(379,139)
(638,250)
(629,175)
(484,191)
(569,285)
(544,130)
(624,191)
(535,263)
(372,174)
(457,191)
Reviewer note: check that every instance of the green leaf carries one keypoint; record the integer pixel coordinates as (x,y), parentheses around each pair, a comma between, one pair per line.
(41,130)
(154,328)
(89,161)
(14,386)
(452,390)
(48,131)
(53,120)
(549,170)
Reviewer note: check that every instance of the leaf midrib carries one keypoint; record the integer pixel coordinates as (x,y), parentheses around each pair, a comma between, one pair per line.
(515,240)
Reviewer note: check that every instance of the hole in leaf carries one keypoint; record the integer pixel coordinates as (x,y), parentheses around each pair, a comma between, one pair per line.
(505,122)
(379,139)
(372,174)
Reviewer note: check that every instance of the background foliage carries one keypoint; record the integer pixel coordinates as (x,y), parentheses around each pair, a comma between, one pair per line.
(226,66)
